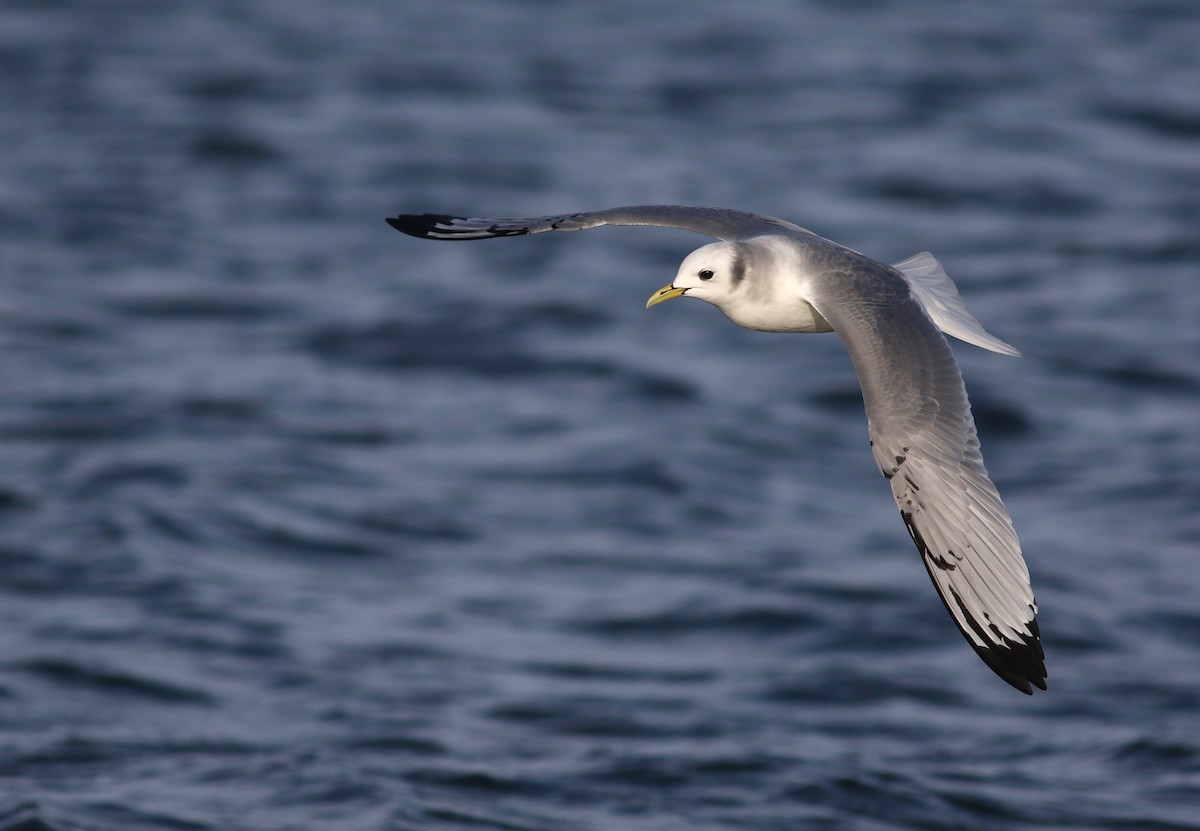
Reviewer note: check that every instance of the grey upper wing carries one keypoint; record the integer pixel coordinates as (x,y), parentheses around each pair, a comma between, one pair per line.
(715,222)
(924,440)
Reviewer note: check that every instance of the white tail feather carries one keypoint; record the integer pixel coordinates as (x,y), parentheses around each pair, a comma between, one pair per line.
(942,302)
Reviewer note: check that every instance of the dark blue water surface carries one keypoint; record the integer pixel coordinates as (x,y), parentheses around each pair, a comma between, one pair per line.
(306,524)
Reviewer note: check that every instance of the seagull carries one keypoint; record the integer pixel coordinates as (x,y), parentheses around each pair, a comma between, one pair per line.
(770,275)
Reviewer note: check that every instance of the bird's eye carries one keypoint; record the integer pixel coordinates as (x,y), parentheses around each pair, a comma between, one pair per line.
(706,274)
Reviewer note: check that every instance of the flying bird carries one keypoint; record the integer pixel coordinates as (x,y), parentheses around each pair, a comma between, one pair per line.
(772,276)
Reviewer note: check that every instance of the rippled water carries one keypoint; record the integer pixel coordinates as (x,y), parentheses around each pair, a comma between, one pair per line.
(305,524)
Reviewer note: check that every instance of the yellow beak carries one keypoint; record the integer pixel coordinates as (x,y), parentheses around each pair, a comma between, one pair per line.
(667,292)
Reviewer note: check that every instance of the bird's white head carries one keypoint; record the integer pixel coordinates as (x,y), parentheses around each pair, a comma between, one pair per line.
(757,284)
(713,273)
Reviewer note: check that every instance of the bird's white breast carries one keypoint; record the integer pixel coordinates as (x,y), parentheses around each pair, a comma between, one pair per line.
(773,295)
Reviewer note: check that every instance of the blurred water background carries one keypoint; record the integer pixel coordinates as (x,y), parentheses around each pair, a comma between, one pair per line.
(306,524)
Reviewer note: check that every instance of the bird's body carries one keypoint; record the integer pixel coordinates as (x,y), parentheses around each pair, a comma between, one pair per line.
(770,275)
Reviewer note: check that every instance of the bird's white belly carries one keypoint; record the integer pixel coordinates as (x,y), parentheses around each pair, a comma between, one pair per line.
(781,315)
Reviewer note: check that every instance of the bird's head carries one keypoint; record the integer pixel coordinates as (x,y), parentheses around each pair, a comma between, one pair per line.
(758,284)
(713,274)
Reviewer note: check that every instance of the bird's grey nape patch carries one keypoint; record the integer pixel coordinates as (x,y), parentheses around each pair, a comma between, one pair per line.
(737,272)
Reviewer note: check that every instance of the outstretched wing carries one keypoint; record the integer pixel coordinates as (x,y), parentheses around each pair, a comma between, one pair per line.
(715,222)
(924,440)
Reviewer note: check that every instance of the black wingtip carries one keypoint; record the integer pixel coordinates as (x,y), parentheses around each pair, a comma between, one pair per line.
(1020,664)
(445,227)
(418,225)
